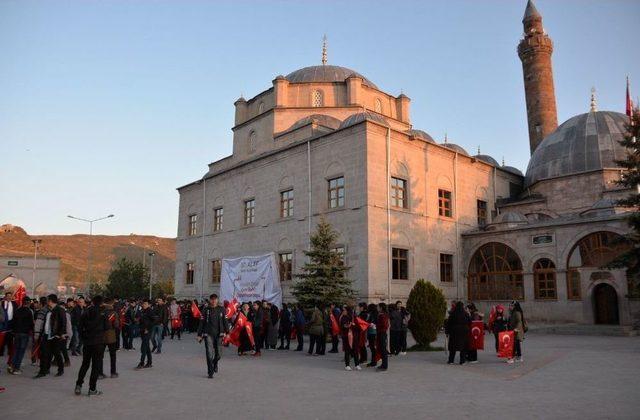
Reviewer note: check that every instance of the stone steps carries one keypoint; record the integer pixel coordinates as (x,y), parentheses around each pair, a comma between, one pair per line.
(581,329)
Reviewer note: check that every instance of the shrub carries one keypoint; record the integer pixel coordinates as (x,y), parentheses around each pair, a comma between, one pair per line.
(428,308)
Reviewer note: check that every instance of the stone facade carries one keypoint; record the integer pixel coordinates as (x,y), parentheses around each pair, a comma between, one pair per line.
(21,267)
(321,123)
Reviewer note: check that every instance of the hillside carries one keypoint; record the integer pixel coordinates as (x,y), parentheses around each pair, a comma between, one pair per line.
(73,251)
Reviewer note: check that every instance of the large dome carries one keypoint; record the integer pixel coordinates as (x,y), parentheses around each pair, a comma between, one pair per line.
(586,142)
(325,73)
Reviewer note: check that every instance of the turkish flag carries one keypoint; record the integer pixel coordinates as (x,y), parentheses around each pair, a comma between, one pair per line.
(176,324)
(364,325)
(294,333)
(476,335)
(505,342)
(195,311)
(230,308)
(20,294)
(3,335)
(234,335)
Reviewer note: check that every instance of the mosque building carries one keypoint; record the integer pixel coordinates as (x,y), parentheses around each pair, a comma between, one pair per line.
(325,141)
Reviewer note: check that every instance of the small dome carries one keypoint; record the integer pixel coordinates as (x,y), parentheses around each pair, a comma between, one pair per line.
(586,142)
(488,159)
(455,148)
(325,73)
(321,119)
(512,170)
(420,135)
(363,116)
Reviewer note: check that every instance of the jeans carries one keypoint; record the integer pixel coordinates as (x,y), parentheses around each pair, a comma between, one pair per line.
(20,343)
(212,348)
(113,348)
(156,337)
(76,344)
(127,337)
(517,349)
(92,355)
(145,350)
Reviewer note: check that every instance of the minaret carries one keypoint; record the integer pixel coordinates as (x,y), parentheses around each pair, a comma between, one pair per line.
(535,51)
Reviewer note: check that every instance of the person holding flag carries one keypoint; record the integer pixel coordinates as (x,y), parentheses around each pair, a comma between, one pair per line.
(213,325)
(519,326)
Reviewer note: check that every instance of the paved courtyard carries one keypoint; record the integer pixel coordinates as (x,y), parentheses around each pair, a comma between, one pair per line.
(562,377)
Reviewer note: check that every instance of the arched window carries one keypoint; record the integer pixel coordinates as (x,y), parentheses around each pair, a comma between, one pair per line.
(317,99)
(260,107)
(495,273)
(378,106)
(544,279)
(594,250)
(252,141)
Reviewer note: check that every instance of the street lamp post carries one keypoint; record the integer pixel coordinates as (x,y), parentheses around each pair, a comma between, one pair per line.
(90,221)
(152,255)
(36,244)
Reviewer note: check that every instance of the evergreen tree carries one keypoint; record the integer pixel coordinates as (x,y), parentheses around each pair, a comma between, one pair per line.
(127,279)
(323,279)
(428,308)
(631,179)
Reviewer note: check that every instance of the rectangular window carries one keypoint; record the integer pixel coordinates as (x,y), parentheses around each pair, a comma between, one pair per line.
(444,203)
(190,272)
(192,228)
(400,264)
(218,215)
(446,268)
(249,211)
(573,285)
(336,192)
(286,203)
(216,269)
(399,192)
(286,265)
(482,212)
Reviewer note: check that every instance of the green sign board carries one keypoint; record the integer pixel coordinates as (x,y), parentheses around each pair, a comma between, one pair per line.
(12,263)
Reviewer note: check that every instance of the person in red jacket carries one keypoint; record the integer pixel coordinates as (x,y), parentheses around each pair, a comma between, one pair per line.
(382,329)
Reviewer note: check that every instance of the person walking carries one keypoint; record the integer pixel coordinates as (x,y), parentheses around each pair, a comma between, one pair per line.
(315,331)
(110,341)
(146,325)
(22,328)
(285,327)
(350,339)
(518,324)
(213,325)
(300,324)
(160,318)
(131,316)
(382,328)
(93,325)
(55,328)
(457,330)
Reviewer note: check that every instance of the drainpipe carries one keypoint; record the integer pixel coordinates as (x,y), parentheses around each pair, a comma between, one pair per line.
(455,212)
(388,180)
(204,222)
(495,198)
(309,193)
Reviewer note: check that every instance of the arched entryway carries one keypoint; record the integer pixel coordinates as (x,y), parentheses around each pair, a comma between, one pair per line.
(605,304)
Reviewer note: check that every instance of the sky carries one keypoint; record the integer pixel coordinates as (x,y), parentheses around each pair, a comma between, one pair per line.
(109,106)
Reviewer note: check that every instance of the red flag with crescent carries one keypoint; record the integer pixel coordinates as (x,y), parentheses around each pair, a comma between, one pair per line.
(20,294)
(234,335)
(505,344)
(195,311)
(362,324)
(476,335)
(230,308)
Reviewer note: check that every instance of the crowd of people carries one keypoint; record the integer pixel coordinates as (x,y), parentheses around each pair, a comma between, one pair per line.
(370,333)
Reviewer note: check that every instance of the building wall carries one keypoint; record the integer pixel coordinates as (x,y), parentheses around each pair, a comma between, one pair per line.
(47,272)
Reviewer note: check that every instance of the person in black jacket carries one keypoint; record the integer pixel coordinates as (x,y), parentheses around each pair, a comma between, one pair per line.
(457,329)
(93,324)
(146,325)
(55,328)
(213,324)
(285,327)
(257,319)
(76,315)
(22,328)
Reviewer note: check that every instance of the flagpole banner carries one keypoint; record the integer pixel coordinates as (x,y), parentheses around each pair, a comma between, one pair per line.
(250,279)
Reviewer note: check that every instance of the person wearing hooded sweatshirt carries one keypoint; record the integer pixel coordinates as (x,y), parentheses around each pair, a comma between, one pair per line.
(498,323)
(519,326)
(457,329)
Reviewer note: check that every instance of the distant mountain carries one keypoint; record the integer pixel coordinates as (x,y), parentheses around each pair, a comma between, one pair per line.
(73,251)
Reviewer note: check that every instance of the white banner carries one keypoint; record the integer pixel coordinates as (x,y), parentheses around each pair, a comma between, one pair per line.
(251,279)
